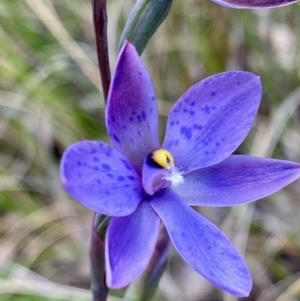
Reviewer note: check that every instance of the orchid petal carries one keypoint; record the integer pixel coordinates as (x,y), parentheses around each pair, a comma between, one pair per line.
(130,244)
(254,3)
(100,178)
(132,114)
(202,244)
(212,119)
(237,180)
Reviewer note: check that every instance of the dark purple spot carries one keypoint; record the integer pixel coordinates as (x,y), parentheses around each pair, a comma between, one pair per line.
(153,98)
(131,119)
(171,123)
(192,113)
(140,73)
(121,178)
(174,143)
(93,150)
(106,167)
(192,103)
(126,164)
(233,256)
(217,144)
(78,163)
(139,133)
(116,138)
(206,109)
(124,127)
(99,182)
(96,159)
(177,122)
(242,270)
(143,115)
(197,126)
(131,178)
(139,118)
(213,93)
(110,175)
(133,113)
(186,132)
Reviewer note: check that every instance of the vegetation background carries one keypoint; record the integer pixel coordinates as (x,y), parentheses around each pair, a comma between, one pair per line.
(50,97)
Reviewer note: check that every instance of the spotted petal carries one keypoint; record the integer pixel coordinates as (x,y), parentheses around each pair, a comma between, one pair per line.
(130,244)
(131,115)
(237,180)
(212,119)
(202,244)
(100,178)
(254,3)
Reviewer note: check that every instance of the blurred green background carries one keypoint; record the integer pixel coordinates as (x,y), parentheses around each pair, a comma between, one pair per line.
(50,96)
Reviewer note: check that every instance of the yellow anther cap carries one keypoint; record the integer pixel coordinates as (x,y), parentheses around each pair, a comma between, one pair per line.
(161,158)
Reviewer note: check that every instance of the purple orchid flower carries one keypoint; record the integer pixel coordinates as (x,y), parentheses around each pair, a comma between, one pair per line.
(139,183)
(254,3)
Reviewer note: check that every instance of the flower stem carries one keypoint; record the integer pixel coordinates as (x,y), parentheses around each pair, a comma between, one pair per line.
(97,250)
(144,287)
(97,262)
(100,27)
